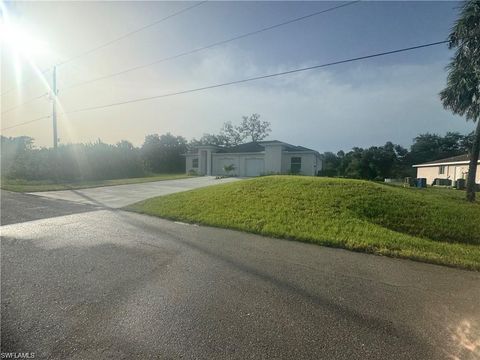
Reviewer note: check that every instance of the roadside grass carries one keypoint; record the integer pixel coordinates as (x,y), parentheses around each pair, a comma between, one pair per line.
(431,225)
(33,186)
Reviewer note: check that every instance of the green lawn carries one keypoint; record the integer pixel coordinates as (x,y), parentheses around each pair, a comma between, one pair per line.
(32,186)
(432,225)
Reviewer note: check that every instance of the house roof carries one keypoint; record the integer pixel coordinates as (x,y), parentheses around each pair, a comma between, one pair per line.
(260,146)
(243,148)
(459,159)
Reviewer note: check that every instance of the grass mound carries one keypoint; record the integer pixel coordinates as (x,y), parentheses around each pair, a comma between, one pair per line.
(430,225)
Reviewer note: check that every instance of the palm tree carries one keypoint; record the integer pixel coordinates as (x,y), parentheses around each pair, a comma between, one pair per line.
(462,93)
(229,168)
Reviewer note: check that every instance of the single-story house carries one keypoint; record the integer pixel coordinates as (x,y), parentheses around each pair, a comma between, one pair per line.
(254,159)
(452,168)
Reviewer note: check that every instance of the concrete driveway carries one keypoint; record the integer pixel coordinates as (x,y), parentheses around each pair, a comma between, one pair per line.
(123,195)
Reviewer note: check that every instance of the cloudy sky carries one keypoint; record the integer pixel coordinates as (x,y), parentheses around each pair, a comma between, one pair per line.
(356,104)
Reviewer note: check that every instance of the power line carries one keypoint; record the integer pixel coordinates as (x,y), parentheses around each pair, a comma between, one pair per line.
(261,77)
(110,42)
(218,43)
(26,122)
(44,71)
(411,48)
(24,103)
(131,33)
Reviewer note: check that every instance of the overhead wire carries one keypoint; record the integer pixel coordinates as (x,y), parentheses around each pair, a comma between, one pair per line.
(24,103)
(110,42)
(26,122)
(256,78)
(209,46)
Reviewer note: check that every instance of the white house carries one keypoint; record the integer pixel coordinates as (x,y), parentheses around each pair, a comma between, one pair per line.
(254,159)
(452,168)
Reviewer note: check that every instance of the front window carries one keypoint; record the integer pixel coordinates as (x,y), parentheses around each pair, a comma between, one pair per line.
(441,169)
(295,164)
(195,163)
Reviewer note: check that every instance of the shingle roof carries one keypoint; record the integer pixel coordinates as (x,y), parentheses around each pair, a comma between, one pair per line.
(260,146)
(464,157)
(244,148)
(297,148)
(453,159)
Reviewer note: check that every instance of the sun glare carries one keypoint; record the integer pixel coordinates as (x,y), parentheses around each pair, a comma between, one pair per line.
(20,40)
(22,44)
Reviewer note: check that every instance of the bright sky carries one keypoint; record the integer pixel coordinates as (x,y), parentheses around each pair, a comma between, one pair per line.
(357,104)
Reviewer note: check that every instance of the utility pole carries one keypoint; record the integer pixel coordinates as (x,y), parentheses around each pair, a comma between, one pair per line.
(54,107)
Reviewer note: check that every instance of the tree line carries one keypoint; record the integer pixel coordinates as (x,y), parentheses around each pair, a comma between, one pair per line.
(20,159)
(159,154)
(393,160)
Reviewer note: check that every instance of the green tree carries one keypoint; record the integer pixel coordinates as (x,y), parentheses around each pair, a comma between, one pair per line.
(209,139)
(69,162)
(462,93)
(164,153)
(429,147)
(254,129)
(331,164)
(232,135)
(250,128)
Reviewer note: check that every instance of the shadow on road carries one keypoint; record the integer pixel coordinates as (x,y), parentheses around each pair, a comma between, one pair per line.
(370,322)
(20,207)
(102,281)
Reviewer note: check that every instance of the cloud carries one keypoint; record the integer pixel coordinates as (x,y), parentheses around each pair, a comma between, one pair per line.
(359,105)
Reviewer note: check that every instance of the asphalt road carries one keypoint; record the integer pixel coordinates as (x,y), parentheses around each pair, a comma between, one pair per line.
(107,284)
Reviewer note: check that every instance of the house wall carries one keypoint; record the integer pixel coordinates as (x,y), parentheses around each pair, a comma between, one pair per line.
(452,172)
(189,162)
(238,160)
(204,156)
(273,158)
(310,163)
(274,162)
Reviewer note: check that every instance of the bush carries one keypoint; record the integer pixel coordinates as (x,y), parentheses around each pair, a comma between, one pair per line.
(20,159)
(72,162)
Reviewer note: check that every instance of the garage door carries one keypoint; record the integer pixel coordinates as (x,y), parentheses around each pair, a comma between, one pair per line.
(254,167)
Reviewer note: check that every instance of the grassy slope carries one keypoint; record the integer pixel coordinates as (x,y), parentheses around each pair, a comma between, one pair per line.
(32,186)
(429,225)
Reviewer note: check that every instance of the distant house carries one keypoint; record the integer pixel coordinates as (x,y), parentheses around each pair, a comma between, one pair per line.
(452,168)
(254,159)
